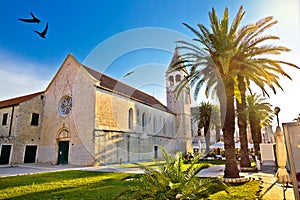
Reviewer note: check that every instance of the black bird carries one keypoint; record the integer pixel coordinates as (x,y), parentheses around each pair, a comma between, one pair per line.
(43,34)
(33,20)
(128,74)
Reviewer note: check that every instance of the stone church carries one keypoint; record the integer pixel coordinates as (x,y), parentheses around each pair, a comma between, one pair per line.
(85,117)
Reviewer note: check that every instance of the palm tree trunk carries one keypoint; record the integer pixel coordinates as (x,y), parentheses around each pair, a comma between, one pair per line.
(256,134)
(207,137)
(242,123)
(218,134)
(231,169)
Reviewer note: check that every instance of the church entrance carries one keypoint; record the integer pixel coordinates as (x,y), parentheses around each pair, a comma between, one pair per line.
(63,152)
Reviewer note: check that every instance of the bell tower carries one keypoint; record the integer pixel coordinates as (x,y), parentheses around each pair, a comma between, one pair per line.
(180,104)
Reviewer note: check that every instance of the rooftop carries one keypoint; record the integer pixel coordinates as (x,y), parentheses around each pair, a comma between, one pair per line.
(115,86)
(18,100)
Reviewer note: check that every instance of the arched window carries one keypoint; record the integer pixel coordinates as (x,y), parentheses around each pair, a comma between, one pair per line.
(144,121)
(178,78)
(154,124)
(165,127)
(138,116)
(171,80)
(130,119)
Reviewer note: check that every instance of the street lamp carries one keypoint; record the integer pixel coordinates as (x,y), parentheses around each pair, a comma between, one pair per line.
(276,111)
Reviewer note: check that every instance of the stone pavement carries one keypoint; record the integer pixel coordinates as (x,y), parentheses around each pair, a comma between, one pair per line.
(266,175)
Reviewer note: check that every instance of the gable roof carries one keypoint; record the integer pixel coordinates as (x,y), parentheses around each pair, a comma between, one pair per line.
(18,100)
(106,83)
(115,86)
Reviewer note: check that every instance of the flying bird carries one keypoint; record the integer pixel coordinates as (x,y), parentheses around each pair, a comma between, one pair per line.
(43,34)
(128,74)
(33,20)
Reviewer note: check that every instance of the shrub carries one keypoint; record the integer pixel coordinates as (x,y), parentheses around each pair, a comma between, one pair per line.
(172,180)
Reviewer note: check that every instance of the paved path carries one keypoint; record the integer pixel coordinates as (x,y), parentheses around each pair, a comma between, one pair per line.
(25,169)
(267,175)
(213,171)
(33,168)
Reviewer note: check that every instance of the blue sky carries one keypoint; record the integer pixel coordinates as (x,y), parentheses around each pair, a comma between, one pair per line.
(28,63)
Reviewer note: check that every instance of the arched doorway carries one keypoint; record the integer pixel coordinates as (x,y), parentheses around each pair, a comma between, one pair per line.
(63,147)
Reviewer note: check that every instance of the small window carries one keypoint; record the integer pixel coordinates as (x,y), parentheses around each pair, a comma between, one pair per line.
(187,98)
(4,119)
(130,119)
(34,119)
(155,152)
(171,80)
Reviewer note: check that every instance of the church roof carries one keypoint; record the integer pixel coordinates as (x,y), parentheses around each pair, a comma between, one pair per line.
(106,83)
(18,100)
(115,86)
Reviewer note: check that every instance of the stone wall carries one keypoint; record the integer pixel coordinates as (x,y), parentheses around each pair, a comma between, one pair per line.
(27,134)
(119,147)
(22,132)
(74,81)
(116,142)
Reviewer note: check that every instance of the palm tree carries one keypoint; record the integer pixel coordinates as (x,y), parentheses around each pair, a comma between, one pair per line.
(259,114)
(210,66)
(203,117)
(224,54)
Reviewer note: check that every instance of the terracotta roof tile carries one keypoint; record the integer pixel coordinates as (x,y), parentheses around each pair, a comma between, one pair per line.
(118,87)
(18,100)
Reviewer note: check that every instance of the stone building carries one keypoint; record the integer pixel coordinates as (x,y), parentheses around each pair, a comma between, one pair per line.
(85,117)
(20,128)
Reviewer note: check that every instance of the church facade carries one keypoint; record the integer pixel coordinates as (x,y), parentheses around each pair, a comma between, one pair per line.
(86,118)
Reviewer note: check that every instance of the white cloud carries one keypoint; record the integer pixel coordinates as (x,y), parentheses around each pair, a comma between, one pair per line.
(21,77)
(17,84)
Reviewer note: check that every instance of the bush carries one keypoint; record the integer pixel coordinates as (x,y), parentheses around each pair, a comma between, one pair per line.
(172,180)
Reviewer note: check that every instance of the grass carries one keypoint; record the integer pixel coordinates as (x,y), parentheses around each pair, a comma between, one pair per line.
(154,164)
(76,184)
(246,191)
(64,185)
(213,162)
(137,164)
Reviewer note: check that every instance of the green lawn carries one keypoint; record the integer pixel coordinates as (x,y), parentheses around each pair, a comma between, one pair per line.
(245,191)
(138,164)
(64,185)
(90,185)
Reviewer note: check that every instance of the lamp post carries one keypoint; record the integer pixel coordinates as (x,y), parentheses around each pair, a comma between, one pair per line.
(276,111)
